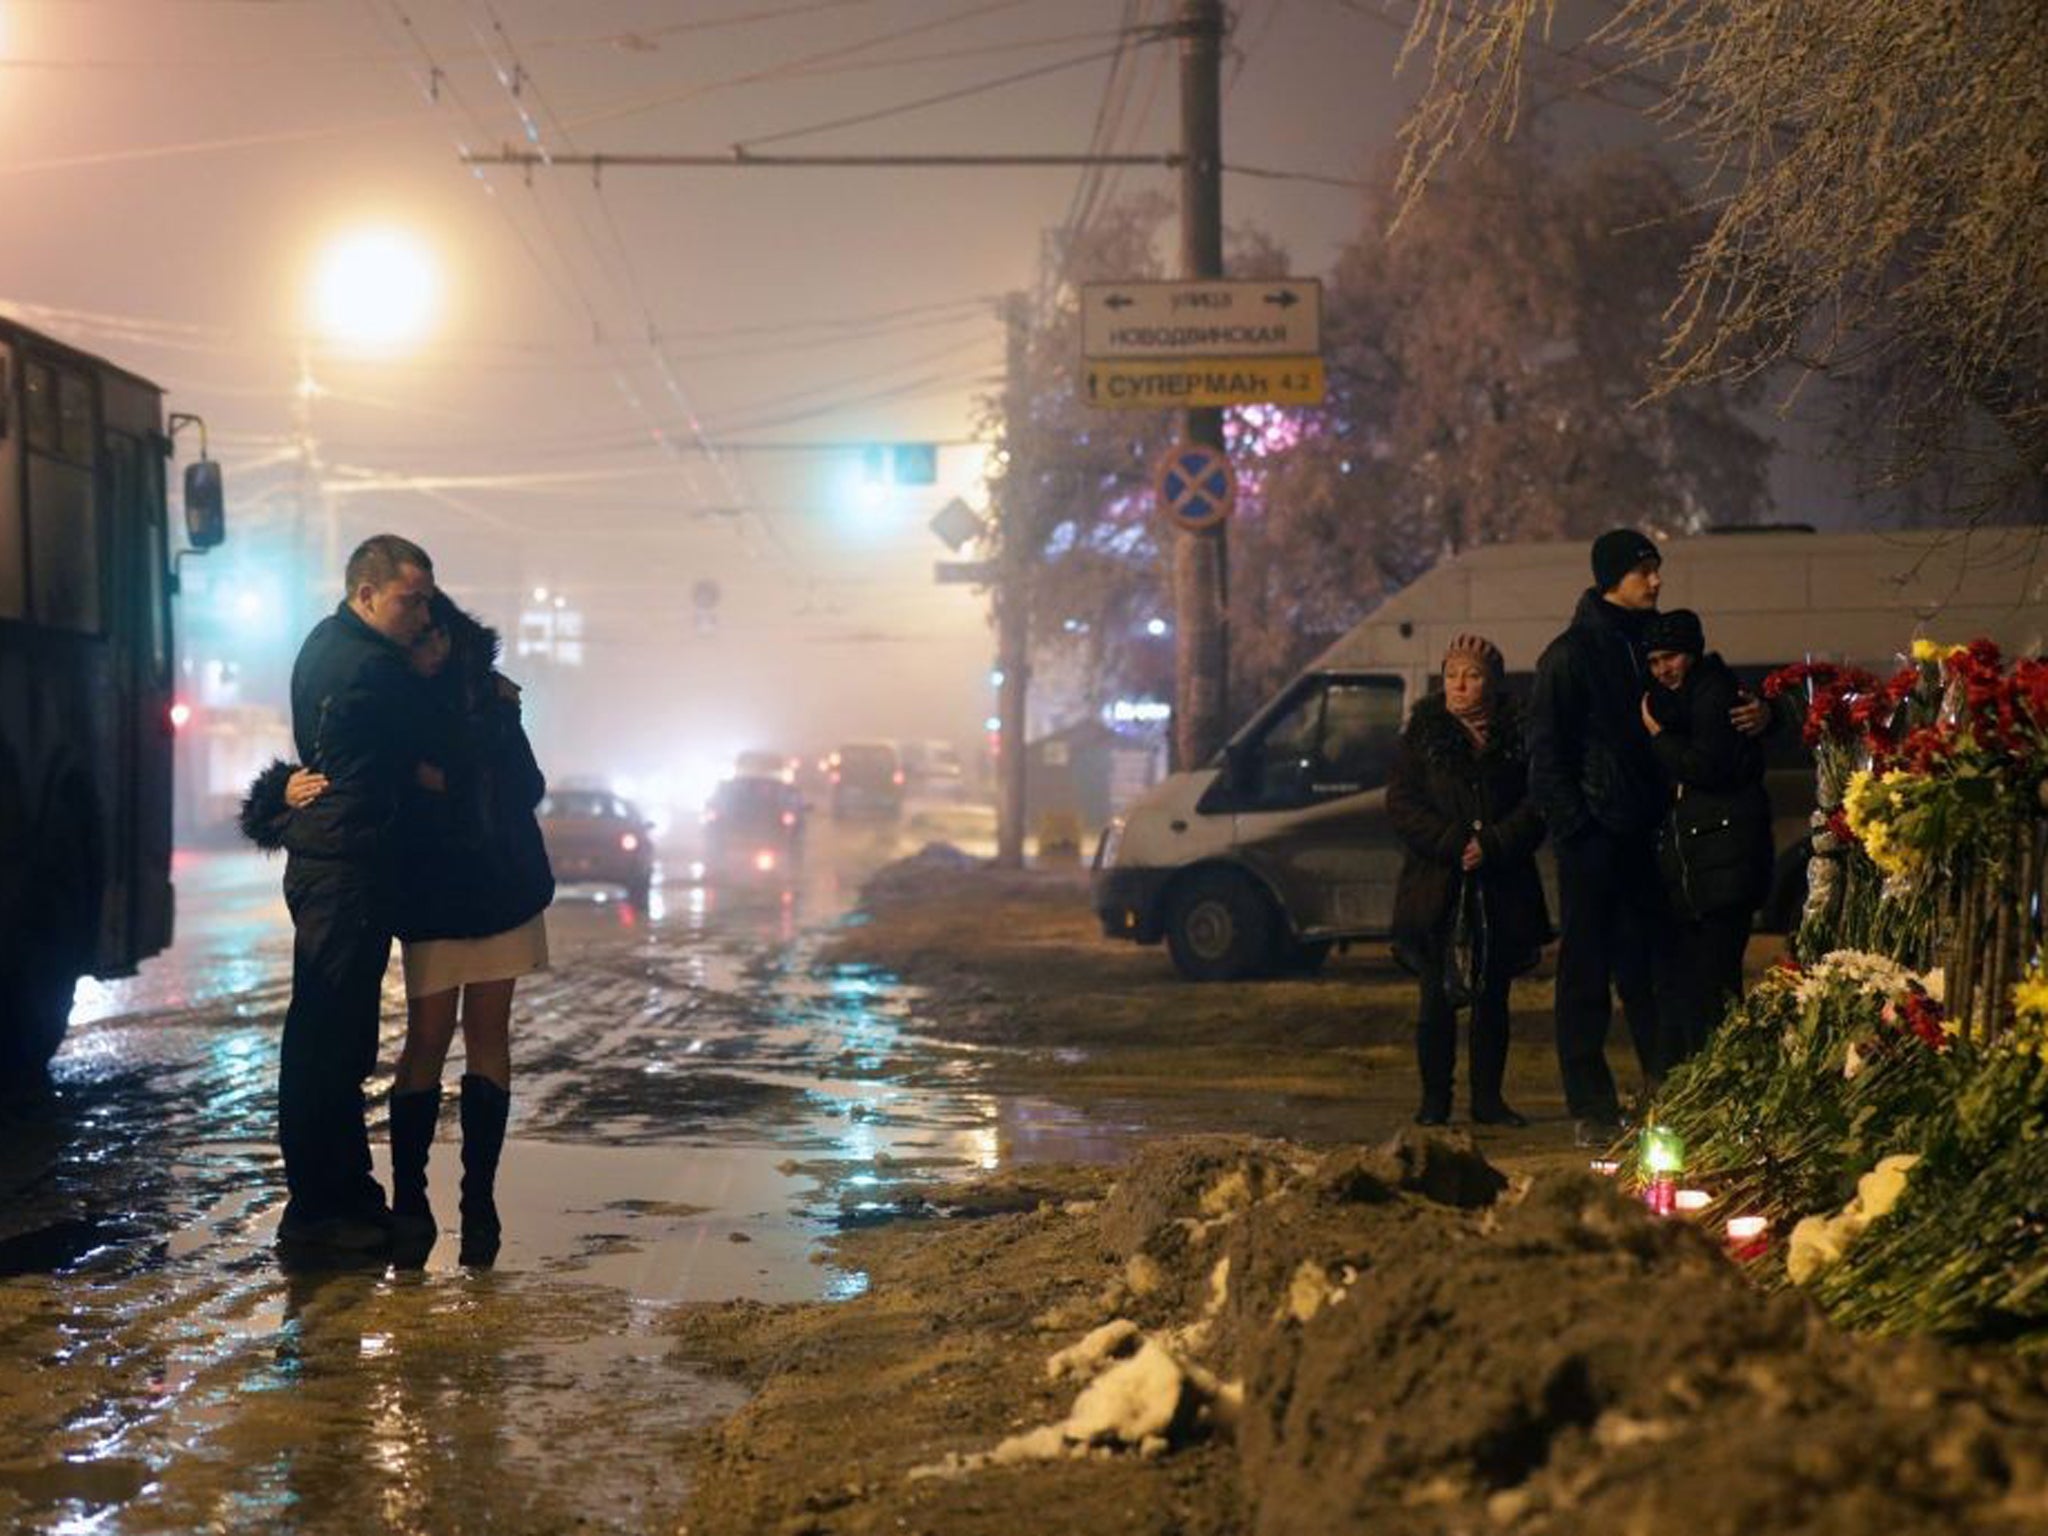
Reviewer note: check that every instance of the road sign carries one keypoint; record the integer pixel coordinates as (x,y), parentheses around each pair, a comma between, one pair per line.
(1139,385)
(1279,318)
(955,524)
(1195,485)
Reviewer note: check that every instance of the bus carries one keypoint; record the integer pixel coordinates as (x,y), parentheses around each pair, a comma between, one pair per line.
(87,673)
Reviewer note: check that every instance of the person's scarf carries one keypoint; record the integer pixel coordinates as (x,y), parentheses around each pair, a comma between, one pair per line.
(1476,719)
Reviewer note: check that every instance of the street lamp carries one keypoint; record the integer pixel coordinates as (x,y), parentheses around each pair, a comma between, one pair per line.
(375,290)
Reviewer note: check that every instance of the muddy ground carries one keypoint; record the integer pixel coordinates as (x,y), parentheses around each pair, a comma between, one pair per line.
(1016,963)
(1321,1335)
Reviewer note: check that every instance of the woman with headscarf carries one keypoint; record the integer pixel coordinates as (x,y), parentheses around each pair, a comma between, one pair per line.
(1714,847)
(1459,799)
(470,920)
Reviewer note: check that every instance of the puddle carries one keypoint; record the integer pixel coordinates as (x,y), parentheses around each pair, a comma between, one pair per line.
(695,1107)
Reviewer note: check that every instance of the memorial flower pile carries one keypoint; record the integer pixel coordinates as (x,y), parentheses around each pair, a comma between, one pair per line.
(1881,1095)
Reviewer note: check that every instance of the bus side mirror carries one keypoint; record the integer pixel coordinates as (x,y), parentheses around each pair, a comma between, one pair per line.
(205,508)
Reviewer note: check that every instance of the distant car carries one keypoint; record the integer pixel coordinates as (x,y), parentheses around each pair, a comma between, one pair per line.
(867,780)
(753,830)
(595,836)
(766,765)
(933,770)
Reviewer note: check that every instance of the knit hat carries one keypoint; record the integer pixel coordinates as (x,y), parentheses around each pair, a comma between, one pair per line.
(1477,649)
(1678,630)
(1619,551)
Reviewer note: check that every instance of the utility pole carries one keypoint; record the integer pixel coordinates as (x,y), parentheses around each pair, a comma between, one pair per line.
(1201,564)
(1018,532)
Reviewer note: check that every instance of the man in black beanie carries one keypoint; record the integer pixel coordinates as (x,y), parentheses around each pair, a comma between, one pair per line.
(1592,770)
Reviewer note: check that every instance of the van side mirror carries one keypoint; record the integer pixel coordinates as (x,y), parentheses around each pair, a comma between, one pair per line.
(205,506)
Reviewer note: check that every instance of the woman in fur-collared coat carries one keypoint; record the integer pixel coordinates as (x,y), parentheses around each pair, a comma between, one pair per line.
(1459,800)
(476,885)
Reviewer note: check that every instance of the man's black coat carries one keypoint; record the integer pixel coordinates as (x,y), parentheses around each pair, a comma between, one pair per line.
(1590,763)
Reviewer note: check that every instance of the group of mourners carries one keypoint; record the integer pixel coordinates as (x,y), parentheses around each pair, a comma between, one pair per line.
(410,814)
(1640,757)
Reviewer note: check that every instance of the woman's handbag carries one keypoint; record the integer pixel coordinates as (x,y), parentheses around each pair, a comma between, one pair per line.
(1465,946)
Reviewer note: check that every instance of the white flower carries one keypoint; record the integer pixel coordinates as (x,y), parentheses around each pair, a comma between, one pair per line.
(1858,968)
(1818,1242)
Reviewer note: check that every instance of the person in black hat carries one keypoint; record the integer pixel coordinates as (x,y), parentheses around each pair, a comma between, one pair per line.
(1714,846)
(1602,793)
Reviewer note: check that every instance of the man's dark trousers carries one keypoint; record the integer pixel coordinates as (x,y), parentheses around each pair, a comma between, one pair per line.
(1611,896)
(341,944)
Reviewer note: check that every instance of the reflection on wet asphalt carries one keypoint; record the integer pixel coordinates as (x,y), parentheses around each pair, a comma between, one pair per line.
(696,1102)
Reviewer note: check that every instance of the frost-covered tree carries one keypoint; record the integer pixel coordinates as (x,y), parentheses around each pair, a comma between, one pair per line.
(1875,179)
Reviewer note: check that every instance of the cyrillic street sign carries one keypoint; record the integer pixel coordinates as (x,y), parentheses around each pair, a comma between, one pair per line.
(1196,485)
(1150,385)
(1282,317)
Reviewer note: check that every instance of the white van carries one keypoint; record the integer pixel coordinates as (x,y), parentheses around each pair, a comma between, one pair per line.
(1281,845)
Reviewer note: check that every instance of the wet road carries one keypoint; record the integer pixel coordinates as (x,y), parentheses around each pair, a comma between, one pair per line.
(697,1101)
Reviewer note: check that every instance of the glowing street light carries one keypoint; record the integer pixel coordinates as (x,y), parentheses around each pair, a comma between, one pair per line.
(375,290)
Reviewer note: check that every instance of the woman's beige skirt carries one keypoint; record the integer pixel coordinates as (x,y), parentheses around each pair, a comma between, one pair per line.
(435,965)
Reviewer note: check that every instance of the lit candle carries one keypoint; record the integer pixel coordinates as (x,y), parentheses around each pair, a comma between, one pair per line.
(1748,1236)
(1663,1150)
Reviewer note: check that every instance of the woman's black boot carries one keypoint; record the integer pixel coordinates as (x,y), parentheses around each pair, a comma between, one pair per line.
(413,1118)
(484,1108)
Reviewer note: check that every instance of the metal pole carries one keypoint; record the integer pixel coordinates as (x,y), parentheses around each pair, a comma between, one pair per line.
(1201,563)
(1014,558)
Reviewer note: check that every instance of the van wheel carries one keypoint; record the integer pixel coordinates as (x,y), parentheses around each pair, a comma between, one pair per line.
(1219,928)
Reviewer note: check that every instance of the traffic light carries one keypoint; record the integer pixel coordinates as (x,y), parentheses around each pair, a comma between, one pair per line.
(901,464)
(917,464)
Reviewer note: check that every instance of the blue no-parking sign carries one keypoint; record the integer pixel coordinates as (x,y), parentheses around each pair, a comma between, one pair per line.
(1195,484)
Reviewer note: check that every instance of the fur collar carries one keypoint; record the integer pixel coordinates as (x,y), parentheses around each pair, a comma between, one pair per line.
(263,808)
(1436,734)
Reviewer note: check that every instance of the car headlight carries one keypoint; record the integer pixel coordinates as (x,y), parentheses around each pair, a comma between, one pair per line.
(1112,841)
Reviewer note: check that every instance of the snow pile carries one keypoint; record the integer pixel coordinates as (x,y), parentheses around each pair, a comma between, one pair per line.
(1146,1399)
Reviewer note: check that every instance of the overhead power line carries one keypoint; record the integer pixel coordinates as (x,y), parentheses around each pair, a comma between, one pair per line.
(741,158)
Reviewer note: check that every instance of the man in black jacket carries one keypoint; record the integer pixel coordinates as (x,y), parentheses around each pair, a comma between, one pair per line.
(356,717)
(1601,791)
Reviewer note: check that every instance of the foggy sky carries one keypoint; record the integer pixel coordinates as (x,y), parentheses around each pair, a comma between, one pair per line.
(173,168)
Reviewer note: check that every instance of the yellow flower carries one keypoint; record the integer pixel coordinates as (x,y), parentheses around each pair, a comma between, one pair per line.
(1864,801)
(2030,1013)
(1928,650)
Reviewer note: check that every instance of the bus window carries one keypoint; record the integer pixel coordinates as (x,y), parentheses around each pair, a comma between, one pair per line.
(39,382)
(64,577)
(74,417)
(13,585)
